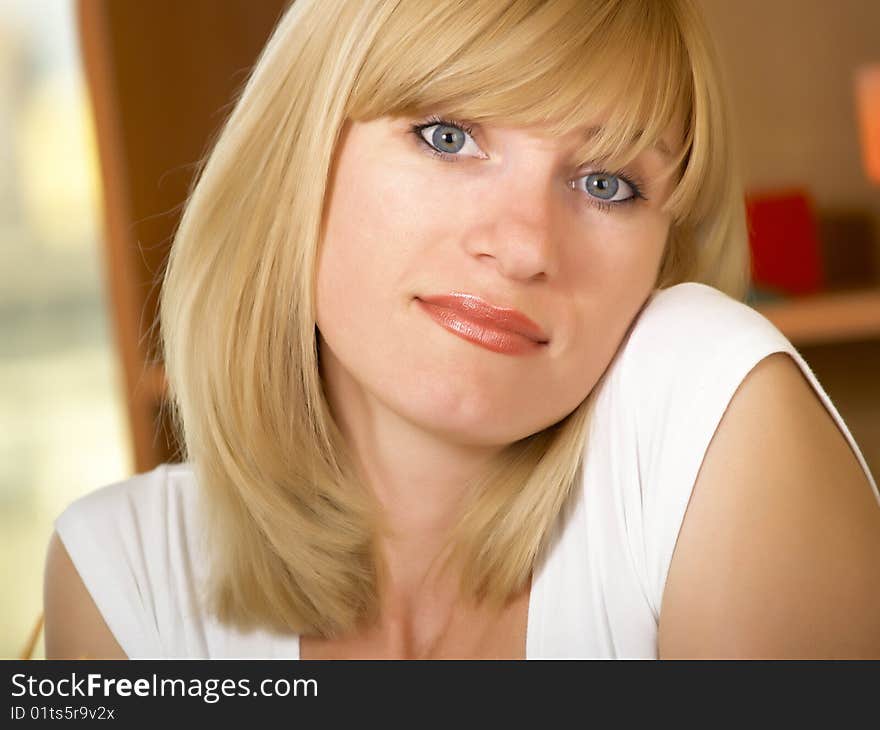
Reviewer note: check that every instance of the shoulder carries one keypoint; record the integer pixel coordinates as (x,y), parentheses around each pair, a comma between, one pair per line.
(131,515)
(113,551)
(686,324)
(73,625)
(692,358)
(136,498)
(776,556)
(685,354)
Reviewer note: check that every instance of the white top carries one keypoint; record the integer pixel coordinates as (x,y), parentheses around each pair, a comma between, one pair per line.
(597,589)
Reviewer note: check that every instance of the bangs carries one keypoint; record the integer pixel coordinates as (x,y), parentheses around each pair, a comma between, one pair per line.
(619,71)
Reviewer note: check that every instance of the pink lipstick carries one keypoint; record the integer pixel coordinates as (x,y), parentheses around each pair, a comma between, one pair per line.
(499,329)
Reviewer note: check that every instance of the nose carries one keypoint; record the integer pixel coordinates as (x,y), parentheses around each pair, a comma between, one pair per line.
(522,218)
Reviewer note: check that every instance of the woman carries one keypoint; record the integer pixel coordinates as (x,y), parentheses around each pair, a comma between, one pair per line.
(449,323)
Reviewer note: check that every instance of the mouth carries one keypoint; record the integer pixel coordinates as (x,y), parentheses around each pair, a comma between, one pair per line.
(500,329)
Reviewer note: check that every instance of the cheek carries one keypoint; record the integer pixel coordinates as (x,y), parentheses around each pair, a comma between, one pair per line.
(358,245)
(362,274)
(609,258)
(608,280)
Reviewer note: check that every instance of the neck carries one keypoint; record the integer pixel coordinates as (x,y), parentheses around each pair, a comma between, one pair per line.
(419,478)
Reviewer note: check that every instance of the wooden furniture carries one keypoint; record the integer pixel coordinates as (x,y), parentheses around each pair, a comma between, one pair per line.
(828,317)
(161,76)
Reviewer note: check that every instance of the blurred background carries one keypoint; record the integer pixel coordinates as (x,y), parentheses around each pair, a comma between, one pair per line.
(106,106)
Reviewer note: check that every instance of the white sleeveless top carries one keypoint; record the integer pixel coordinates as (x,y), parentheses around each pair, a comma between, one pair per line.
(596,589)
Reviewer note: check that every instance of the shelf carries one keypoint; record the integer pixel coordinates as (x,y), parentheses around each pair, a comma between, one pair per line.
(828,317)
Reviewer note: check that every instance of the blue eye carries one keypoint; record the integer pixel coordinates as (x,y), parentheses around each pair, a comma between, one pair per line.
(607,191)
(446,136)
(610,188)
(447,139)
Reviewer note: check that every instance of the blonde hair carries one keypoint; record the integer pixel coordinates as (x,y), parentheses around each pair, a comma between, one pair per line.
(292,527)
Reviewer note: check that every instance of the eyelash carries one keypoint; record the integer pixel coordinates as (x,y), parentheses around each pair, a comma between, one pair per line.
(634,184)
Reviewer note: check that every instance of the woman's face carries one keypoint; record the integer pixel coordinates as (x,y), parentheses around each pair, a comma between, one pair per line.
(508,218)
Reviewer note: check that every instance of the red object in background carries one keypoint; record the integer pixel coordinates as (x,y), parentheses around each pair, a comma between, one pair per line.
(784,239)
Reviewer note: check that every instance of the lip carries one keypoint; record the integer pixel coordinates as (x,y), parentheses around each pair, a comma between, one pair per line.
(501,329)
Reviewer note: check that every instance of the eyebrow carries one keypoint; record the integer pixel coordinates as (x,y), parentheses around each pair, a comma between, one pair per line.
(659,145)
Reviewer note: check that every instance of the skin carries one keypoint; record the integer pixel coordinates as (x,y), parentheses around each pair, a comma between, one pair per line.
(423,408)
(73,626)
(777,553)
